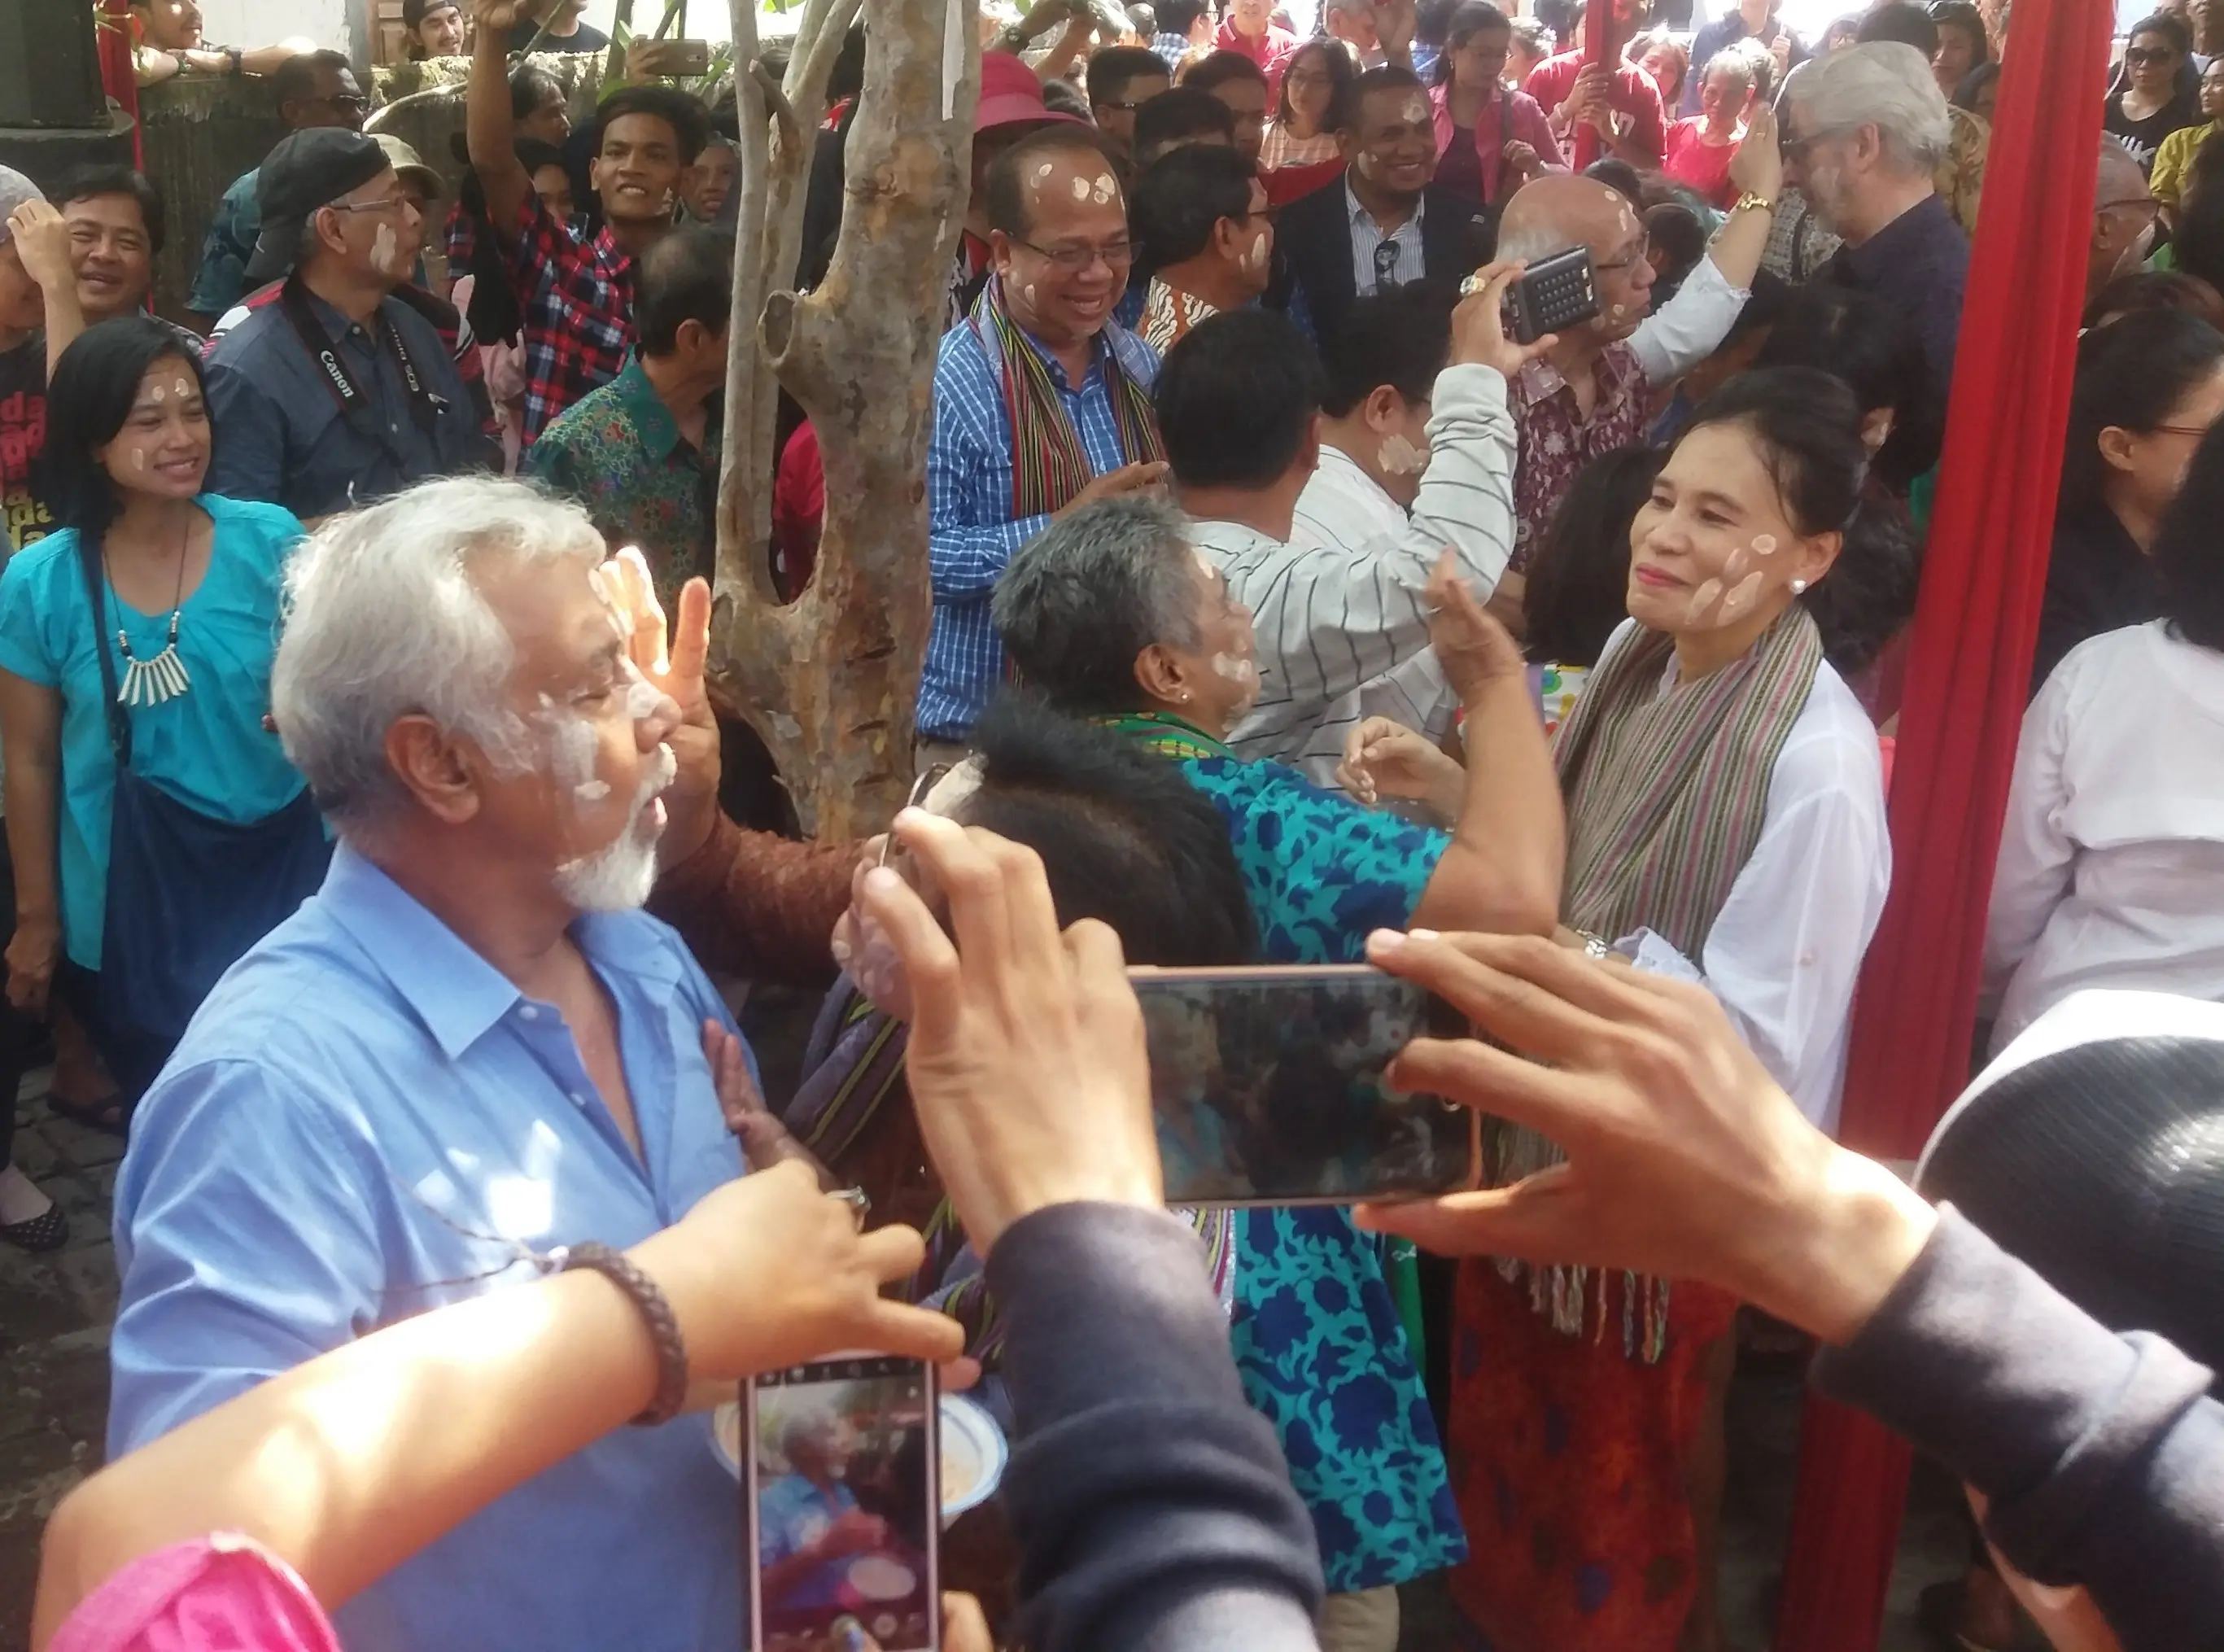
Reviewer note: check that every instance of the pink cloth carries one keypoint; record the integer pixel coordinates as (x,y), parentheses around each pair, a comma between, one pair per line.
(1514,117)
(1702,166)
(1631,93)
(221,1593)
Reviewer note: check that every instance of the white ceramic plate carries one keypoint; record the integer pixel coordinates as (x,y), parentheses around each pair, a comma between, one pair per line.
(974,1452)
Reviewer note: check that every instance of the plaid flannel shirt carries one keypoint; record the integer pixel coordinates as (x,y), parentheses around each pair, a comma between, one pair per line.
(577,298)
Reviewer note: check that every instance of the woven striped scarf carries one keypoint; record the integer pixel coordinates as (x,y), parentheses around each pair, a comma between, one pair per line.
(1049,466)
(1666,793)
(1167,735)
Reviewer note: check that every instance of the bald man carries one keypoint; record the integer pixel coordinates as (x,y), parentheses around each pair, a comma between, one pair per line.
(2124,213)
(1591,393)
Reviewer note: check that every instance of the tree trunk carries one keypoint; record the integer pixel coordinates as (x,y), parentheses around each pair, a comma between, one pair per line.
(830,680)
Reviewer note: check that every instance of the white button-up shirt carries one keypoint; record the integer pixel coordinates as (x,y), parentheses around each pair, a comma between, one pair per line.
(1342,629)
(2111,870)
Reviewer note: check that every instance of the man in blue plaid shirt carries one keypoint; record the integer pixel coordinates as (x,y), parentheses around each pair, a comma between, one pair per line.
(1041,401)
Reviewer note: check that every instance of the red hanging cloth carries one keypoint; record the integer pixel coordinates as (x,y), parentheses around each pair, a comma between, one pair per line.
(1968,675)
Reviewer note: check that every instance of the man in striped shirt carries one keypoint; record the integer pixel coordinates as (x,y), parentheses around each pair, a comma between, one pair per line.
(1412,461)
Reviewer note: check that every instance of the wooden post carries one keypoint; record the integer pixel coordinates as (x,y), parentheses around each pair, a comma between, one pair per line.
(830,680)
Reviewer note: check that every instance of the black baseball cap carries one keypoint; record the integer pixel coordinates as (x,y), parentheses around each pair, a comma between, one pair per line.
(309,169)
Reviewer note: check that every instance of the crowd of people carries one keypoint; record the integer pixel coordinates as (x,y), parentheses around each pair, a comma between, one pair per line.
(1289,606)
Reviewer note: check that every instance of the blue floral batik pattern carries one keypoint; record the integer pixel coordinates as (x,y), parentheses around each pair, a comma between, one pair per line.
(1317,1341)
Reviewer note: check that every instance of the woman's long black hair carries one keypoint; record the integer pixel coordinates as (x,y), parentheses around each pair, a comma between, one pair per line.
(94,385)
(2130,375)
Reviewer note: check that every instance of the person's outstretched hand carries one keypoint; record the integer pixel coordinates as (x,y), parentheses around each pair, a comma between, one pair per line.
(1026,1062)
(1479,335)
(1684,1159)
(674,658)
(1757,168)
(1475,650)
(1383,758)
(768,1271)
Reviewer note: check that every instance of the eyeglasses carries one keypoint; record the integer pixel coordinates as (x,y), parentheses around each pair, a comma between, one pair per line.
(2145,203)
(2177,430)
(1796,149)
(1642,248)
(384,203)
(348,102)
(2141,57)
(921,790)
(1073,260)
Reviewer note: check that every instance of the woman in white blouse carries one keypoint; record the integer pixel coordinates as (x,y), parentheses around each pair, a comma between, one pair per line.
(2111,870)
(1726,823)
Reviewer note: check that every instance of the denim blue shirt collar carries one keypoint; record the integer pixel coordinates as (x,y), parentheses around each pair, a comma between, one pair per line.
(453,989)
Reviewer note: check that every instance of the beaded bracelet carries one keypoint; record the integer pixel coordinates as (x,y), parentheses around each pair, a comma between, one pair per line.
(663,1325)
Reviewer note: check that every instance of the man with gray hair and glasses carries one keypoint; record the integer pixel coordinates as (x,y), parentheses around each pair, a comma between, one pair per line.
(1863,132)
(468,1049)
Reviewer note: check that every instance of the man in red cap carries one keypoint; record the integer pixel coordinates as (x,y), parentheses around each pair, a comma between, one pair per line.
(1011,107)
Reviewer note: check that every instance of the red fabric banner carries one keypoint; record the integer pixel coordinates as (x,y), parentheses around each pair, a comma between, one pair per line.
(1968,676)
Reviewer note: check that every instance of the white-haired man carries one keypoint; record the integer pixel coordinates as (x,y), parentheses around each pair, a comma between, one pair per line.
(468,1045)
(1864,129)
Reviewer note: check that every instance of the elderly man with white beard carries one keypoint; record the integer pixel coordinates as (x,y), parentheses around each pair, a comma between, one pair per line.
(469,1048)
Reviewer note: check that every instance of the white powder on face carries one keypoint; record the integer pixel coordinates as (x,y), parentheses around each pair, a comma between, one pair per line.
(1417,111)
(181,388)
(1255,257)
(1103,189)
(591,791)
(1211,571)
(642,699)
(138,459)
(1703,599)
(1029,289)
(571,748)
(1234,667)
(1044,171)
(1081,189)
(157,394)
(1399,457)
(385,252)
(1764,544)
(1741,596)
(1616,311)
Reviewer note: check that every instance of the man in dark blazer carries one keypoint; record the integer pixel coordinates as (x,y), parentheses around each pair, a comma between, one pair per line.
(1382,223)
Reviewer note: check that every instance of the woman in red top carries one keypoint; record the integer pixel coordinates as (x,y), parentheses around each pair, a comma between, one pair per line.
(1700,146)
(1490,140)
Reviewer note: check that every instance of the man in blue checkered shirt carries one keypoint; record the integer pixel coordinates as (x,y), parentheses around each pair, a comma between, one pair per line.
(1041,401)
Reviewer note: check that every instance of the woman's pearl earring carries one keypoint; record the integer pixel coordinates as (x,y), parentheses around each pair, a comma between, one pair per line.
(1798,585)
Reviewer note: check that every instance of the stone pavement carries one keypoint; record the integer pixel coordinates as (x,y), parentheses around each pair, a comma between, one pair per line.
(55,1314)
(55,1311)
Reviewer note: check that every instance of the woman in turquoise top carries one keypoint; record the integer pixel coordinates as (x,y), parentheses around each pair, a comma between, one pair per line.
(1112,613)
(190,587)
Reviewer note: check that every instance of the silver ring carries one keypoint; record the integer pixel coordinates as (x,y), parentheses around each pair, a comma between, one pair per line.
(859,1202)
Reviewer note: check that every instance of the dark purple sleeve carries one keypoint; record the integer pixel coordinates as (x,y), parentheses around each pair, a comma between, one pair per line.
(2102,1456)
(1152,1506)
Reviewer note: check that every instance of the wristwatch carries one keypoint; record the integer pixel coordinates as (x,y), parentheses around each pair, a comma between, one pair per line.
(1753,201)
(237,57)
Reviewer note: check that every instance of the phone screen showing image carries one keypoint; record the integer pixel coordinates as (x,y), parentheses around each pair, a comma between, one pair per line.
(1269,1088)
(843,1504)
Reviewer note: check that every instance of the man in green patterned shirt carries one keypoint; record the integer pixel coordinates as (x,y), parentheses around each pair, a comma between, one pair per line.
(640,453)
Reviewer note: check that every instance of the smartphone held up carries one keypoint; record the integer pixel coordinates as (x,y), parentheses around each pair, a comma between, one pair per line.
(1270,1087)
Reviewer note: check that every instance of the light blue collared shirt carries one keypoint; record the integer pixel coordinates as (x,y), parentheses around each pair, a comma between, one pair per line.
(358,1082)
